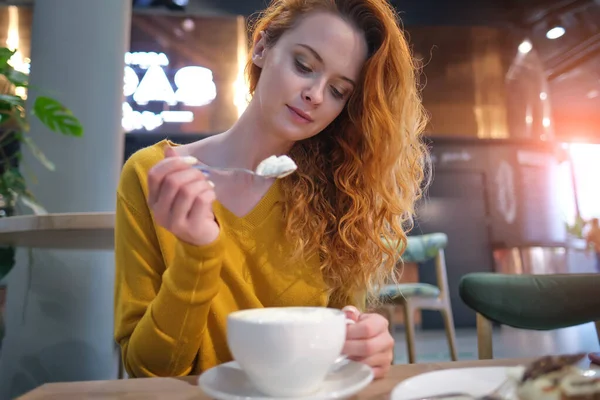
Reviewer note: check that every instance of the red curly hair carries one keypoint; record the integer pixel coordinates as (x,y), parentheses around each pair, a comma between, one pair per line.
(357,180)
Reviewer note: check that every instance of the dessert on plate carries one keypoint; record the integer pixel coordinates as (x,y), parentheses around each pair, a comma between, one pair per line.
(557,378)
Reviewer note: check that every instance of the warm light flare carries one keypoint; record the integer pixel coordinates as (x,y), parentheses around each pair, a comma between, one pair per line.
(586,162)
(240,86)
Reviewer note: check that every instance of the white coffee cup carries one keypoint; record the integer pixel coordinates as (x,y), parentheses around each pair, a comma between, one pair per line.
(287,351)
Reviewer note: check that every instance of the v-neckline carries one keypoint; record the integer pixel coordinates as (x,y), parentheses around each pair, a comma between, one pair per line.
(258,213)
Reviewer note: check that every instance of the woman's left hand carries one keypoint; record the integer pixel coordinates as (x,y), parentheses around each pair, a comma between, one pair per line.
(369,341)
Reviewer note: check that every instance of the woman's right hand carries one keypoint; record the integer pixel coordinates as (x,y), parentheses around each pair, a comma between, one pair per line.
(181,199)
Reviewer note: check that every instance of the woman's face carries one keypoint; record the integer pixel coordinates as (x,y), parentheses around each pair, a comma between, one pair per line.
(308,75)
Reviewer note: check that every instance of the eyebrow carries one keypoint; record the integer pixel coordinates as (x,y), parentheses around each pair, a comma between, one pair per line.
(320,59)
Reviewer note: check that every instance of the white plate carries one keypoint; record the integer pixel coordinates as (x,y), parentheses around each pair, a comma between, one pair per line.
(474,381)
(229,382)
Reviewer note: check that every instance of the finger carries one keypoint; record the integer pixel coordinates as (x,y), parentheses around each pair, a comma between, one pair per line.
(351,313)
(380,372)
(367,327)
(379,363)
(185,198)
(202,205)
(377,360)
(157,173)
(169,188)
(365,348)
(170,152)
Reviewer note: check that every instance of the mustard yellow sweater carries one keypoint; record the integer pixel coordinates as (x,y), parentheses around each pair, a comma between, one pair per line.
(172,299)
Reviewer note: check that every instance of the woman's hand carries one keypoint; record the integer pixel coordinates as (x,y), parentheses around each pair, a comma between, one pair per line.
(369,341)
(181,199)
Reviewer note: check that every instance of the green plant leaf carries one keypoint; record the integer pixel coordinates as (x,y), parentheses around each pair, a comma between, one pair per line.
(57,117)
(14,101)
(37,153)
(12,113)
(17,78)
(7,260)
(12,183)
(5,55)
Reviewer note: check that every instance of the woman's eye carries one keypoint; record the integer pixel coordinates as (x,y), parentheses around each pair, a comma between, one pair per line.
(305,69)
(336,93)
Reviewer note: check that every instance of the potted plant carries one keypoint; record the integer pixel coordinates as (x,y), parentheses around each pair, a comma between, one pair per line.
(14,128)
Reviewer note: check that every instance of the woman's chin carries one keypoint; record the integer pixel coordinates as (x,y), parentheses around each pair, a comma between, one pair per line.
(293,134)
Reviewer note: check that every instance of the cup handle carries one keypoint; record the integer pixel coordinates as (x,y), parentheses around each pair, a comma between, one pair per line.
(342,359)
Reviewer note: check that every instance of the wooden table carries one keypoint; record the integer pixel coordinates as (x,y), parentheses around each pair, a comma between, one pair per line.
(72,231)
(186,389)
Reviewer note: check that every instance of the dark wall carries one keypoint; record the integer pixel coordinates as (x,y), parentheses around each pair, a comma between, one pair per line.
(487,193)
(457,206)
(520,184)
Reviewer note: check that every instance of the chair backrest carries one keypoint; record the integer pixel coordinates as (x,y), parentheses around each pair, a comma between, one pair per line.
(533,302)
(422,248)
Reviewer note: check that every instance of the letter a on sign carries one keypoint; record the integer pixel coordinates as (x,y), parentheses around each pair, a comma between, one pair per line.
(155,86)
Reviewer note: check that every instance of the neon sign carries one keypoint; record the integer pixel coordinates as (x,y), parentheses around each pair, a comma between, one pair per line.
(194,87)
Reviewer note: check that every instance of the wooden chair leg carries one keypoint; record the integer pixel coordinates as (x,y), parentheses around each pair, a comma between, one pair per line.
(450,333)
(597,323)
(409,324)
(484,338)
(390,311)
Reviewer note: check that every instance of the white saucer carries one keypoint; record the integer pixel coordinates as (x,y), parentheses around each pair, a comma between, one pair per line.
(474,381)
(229,382)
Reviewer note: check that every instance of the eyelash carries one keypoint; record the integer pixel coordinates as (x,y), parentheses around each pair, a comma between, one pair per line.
(303,69)
(336,93)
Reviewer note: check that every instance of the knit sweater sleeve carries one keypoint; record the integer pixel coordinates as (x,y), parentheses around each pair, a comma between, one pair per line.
(161,305)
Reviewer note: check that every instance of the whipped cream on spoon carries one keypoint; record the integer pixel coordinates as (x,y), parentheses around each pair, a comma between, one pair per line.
(271,167)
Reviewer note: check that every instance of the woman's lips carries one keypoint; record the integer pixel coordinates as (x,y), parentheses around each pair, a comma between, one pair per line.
(300,115)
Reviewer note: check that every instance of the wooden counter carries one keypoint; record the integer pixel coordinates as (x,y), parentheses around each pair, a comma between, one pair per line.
(72,231)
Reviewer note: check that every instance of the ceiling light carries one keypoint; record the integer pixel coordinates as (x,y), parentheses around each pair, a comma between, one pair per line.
(546,122)
(525,47)
(555,32)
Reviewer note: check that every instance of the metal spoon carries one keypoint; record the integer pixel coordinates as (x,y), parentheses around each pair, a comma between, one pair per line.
(278,175)
(207,169)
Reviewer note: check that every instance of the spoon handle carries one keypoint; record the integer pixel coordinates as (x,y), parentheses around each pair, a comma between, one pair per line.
(206,168)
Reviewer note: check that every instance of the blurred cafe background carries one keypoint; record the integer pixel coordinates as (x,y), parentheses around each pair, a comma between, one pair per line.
(512,88)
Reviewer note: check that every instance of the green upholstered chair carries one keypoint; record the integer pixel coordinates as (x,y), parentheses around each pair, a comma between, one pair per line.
(422,296)
(534,302)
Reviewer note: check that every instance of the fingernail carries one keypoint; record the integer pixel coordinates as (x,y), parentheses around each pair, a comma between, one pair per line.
(189,160)
(351,312)
(211,184)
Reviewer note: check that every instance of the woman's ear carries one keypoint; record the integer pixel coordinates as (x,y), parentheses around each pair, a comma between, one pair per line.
(259,50)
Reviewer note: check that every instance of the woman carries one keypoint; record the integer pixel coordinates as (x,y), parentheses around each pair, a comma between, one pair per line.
(334,87)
